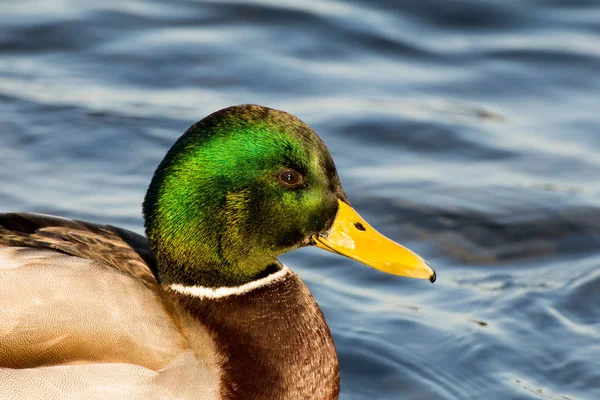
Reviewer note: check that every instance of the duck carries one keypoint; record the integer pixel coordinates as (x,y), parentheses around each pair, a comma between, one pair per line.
(200,307)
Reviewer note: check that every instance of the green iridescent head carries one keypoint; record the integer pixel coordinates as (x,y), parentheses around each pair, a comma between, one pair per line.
(239,188)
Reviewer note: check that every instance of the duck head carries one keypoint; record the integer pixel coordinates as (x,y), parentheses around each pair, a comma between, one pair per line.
(245,185)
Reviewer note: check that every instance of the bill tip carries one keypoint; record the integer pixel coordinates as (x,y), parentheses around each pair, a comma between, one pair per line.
(433,276)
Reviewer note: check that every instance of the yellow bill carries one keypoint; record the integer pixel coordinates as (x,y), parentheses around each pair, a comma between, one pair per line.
(350,235)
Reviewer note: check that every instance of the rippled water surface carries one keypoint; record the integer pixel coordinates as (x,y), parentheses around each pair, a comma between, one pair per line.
(467,130)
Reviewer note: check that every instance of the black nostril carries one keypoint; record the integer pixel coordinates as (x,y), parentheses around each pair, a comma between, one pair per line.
(360,226)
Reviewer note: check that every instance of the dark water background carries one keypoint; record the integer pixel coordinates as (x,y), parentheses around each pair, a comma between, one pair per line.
(467,130)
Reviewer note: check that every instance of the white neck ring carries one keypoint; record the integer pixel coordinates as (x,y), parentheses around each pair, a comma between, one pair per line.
(204,292)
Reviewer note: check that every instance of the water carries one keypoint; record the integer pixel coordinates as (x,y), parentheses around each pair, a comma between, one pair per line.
(467,130)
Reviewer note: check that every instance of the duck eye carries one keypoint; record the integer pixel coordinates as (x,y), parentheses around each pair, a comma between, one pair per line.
(290,177)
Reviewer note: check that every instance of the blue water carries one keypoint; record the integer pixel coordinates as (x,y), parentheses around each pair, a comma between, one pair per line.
(467,130)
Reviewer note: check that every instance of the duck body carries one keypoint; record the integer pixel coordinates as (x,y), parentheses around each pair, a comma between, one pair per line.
(200,308)
(82,316)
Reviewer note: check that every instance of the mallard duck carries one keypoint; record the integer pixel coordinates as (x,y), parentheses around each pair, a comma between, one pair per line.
(201,309)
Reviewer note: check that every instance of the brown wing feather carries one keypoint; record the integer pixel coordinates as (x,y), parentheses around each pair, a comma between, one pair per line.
(75,293)
(115,247)
(118,248)
(71,273)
